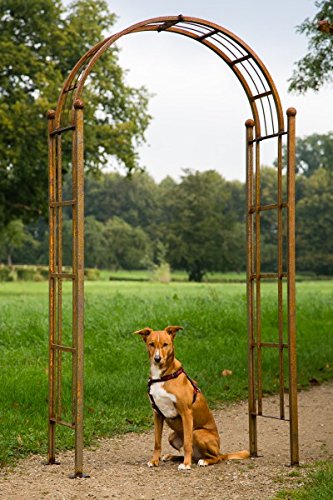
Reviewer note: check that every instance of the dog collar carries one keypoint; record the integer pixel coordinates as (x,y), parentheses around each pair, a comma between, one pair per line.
(166,377)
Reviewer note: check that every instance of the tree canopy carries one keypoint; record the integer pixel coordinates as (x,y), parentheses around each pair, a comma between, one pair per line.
(316,67)
(40,41)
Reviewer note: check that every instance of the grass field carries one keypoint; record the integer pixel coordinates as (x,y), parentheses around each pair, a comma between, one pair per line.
(116,368)
(318,486)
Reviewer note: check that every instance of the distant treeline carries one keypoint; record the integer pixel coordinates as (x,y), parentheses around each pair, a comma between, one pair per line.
(197,224)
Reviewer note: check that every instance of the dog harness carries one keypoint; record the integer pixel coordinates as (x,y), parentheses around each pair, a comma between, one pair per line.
(170,377)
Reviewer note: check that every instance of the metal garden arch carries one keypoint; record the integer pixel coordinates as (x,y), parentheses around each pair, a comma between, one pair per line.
(267,123)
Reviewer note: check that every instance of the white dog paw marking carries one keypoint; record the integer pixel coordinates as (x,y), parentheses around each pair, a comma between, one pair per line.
(150,464)
(202,463)
(184,467)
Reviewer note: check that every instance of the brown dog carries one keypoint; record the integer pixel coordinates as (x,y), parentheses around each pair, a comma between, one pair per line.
(177,399)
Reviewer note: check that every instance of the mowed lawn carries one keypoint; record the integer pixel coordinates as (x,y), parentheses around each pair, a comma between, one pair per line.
(116,366)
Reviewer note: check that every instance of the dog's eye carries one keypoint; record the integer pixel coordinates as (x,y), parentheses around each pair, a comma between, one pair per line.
(152,344)
(165,345)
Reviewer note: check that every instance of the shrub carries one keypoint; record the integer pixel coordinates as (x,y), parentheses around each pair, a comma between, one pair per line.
(92,274)
(6,274)
(26,273)
(162,273)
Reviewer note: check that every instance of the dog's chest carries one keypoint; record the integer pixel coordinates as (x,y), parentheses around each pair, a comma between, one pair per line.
(164,400)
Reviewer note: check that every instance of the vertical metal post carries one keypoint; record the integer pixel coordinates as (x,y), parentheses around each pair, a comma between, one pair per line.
(280,277)
(258,279)
(250,288)
(52,287)
(78,284)
(59,269)
(294,450)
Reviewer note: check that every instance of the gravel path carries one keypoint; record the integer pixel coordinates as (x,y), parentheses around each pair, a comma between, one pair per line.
(117,466)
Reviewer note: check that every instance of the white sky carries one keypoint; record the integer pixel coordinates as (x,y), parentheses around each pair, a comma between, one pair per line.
(199,108)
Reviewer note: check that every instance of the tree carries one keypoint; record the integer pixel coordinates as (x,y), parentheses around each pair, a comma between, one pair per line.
(315,68)
(94,243)
(12,237)
(40,41)
(133,198)
(314,228)
(199,228)
(313,152)
(126,247)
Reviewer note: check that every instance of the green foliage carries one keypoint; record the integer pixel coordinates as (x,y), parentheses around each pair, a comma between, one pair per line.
(312,152)
(40,41)
(13,236)
(197,225)
(125,246)
(315,68)
(6,274)
(214,317)
(314,229)
(201,231)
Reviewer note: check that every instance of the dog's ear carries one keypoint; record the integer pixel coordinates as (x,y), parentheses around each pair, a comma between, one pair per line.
(144,333)
(172,330)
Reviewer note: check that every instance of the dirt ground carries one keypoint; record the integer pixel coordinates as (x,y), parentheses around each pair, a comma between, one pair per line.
(117,466)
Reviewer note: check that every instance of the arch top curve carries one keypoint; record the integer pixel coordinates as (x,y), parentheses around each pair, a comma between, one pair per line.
(248,68)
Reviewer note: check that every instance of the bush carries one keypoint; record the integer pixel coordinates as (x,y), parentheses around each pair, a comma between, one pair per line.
(162,273)
(26,273)
(44,272)
(38,276)
(6,274)
(92,274)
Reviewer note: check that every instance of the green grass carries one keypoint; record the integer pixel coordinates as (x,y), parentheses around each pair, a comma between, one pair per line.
(318,485)
(116,367)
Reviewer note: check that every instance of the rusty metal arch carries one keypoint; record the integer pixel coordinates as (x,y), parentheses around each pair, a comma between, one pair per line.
(241,59)
(267,123)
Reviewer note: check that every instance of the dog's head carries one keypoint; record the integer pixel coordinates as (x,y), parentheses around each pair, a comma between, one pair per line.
(159,345)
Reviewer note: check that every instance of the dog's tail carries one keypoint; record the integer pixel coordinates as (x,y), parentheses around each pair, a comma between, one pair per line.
(238,455)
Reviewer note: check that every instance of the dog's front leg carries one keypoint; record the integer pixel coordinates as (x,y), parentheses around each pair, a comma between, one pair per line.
(158,428)
(187,419)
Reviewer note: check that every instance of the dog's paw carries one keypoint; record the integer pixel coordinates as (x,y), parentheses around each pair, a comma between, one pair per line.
(184,467)
(167,457)
(202,463)
(153,463)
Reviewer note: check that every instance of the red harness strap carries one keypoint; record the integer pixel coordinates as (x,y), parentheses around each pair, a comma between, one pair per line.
(170,377)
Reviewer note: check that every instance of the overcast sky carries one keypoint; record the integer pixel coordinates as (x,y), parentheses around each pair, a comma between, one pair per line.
(199,108)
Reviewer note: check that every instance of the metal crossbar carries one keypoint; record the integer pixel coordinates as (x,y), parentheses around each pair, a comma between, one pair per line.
(63,203)
(60,130)
(262,208)
(270,416)
(62,422)
(207,35)
(62,348)
(260,96)
(240,60)
(268,276)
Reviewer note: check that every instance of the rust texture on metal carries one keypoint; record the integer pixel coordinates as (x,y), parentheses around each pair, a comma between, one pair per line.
(78,270)
(291,145)
(258,273)
(242,60)
(250,290)
(52,287)
(267,123)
